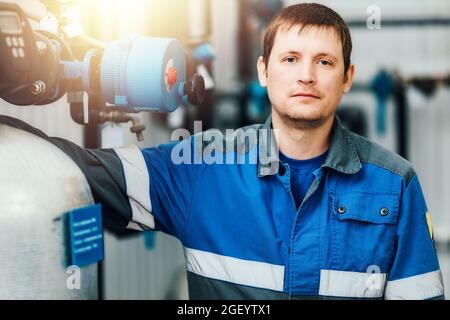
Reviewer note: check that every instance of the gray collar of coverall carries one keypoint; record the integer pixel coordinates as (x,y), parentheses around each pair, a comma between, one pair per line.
(342,156)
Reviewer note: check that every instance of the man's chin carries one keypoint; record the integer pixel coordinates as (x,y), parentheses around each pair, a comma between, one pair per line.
(303,121)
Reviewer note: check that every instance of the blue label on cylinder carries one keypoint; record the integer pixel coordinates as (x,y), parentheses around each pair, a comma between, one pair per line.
(86,235)
(150,239)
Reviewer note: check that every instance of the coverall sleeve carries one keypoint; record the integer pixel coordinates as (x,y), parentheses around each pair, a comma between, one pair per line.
(159,188)
(415,272)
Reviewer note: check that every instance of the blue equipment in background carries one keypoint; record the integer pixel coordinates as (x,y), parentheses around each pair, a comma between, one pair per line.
(138,74)
(134,74)
(383,86)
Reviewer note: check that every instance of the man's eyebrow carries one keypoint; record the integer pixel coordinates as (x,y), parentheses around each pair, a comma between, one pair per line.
(290,52)
(326,54)
(320,54)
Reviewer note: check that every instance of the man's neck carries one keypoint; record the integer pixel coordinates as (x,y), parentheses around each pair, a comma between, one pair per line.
(299,143)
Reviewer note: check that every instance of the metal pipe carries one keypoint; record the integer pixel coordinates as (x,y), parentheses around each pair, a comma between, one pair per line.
(419,22)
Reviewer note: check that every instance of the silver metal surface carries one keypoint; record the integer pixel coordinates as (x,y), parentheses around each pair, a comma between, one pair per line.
(38,183)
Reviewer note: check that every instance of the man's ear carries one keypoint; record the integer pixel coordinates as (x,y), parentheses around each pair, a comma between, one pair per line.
(348,78)
(262,72)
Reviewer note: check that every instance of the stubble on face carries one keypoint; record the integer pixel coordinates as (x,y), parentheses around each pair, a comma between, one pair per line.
(300,122)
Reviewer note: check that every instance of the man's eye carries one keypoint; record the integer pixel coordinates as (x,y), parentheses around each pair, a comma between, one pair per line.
(290,59)
(325,62)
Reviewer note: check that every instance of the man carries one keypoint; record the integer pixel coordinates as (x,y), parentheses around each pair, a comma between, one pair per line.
(334,216)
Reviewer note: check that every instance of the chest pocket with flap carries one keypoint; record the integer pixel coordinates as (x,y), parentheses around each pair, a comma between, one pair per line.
(363,226)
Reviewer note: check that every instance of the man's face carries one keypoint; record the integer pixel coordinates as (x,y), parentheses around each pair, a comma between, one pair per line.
(305,76)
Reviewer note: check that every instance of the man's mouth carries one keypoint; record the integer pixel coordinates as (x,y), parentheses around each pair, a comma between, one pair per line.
(305,95)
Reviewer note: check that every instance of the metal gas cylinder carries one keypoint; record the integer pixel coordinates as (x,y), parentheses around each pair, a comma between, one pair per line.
(38,184)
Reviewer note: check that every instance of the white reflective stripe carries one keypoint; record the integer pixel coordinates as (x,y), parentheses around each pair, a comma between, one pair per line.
(243,272)
(138,186)
(134,226)
(351,284)
(423,286)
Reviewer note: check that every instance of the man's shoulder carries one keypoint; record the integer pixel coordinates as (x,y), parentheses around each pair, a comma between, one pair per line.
(370,152)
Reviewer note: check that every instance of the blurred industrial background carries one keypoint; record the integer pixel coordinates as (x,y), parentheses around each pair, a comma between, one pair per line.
(401,99)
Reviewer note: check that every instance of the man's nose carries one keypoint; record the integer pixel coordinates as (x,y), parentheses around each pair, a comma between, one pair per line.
(306,74)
